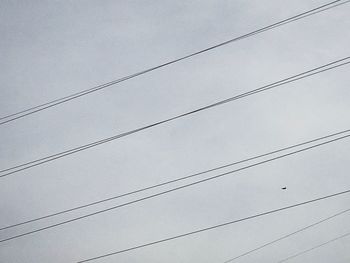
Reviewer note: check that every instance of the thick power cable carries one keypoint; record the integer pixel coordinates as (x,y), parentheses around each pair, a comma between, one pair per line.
(174,189)
(215,226)
(175,180)
(44,106)
(288,235)
(313,248)
(305,74)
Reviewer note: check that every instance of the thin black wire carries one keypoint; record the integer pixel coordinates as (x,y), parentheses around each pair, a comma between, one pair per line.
(175,180)
(215,226)
(313,248)
(305,74)
(288,235)
(173,189)
(61,100)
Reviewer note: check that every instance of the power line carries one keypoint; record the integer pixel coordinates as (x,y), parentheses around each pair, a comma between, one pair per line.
(173,189)
(175,180)
(313,248)
(44,106)
(288,235)
(214,227)
(305,74)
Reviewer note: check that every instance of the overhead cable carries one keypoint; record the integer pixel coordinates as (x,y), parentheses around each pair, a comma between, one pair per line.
(56,102)
(315,247)
(288,235)
(49,158)
(214,227)
(175,180)
(173,189)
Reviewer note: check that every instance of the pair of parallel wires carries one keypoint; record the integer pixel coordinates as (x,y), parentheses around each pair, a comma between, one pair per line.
(317,70)
(308,145)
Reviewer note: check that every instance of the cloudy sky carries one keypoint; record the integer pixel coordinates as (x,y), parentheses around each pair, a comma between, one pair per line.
(49,49)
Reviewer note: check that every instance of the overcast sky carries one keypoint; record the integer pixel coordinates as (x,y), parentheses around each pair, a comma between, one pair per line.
(50,49)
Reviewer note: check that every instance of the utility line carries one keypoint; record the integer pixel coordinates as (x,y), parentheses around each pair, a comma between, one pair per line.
(313,248)
(56,102)
(305,74)
(215,226)
(288,235)
(173,189)
(175,180)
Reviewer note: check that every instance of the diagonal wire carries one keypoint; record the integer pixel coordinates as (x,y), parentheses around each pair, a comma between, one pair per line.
(313,248)
(175,180)
(174,189)
(305,74)
(288,235)
(215,226)
(56,102)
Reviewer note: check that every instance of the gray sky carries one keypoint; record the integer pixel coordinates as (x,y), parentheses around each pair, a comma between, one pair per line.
(50,49)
